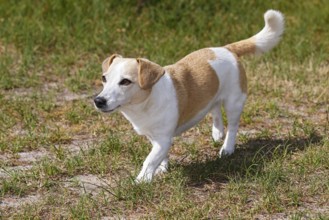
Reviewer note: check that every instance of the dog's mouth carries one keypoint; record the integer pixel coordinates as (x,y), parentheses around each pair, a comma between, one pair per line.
(109,110)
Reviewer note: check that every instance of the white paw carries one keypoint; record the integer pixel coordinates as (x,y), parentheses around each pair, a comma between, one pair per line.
(161,169)
(144,178)
(217,135)
(225,151)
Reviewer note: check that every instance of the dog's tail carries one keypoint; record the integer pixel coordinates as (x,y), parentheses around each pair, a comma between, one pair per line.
(265,40)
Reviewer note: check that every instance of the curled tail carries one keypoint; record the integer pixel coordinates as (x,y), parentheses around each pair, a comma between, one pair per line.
(263,41)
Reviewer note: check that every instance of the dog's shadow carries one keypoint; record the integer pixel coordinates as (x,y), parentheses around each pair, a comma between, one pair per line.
(248,159)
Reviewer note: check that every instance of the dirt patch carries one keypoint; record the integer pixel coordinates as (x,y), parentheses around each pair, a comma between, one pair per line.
(90,184)
(15,202)
(67,96)
(80,144)
(272,216)
(6,171)
(32,156)
(63,95)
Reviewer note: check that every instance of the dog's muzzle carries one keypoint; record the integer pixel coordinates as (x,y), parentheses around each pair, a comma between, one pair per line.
(100,102)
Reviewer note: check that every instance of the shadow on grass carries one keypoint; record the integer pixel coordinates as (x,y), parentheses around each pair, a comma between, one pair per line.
(248,159)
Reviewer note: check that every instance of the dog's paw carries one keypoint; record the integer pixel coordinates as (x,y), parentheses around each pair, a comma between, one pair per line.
(217,135)
(225,152)
(161,170)
(144,178)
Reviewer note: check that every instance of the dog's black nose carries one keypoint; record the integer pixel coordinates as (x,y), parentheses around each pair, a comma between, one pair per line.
(100,102)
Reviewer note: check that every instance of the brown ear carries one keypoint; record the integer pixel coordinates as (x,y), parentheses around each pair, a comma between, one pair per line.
(148,73)
(107,62)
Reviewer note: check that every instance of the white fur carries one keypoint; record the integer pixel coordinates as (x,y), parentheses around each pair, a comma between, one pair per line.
(271,34)
(156,116)
(230,96)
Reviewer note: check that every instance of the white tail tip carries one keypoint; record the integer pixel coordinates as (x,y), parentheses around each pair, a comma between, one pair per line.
(275,20)
(270,35)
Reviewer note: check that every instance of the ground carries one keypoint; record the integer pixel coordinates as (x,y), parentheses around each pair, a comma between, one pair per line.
(60,158)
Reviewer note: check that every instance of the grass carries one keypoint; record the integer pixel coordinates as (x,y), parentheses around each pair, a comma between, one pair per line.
(60,158)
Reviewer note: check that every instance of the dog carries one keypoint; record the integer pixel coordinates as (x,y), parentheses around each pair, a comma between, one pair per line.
(162,102)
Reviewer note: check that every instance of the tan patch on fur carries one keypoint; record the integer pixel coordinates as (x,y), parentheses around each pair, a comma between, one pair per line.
(148,73)
(242,78)
(132,68)
(107,62)
(242,75)
(195,81)
(243,47)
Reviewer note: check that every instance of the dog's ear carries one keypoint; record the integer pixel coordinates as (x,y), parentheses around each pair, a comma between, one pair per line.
(148,73)
(107,62)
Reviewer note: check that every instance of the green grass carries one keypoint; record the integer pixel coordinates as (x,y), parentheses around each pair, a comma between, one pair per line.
(50,60)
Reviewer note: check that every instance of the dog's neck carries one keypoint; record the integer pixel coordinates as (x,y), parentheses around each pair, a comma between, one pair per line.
(156,108)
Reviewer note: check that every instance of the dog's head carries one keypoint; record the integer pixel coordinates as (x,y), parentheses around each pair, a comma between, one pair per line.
(126,81)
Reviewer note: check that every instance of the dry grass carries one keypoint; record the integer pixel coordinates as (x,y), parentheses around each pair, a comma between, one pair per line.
(59,158)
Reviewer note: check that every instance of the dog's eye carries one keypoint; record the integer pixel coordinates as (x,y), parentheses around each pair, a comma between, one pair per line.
(124,82)
(104,79)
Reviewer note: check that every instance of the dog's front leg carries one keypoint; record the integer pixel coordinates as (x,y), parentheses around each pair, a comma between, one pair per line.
(158,154)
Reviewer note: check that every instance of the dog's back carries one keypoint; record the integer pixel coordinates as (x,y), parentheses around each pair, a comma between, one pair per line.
(195,81)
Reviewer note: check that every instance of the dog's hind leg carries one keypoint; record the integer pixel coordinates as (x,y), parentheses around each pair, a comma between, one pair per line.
(233,109)
(157,155)
(217,126)
(163,167)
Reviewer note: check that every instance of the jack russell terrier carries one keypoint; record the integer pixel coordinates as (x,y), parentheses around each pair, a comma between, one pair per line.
(162,102)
